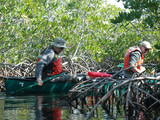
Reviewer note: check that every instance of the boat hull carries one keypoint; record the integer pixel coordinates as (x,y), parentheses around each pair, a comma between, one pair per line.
(22,85)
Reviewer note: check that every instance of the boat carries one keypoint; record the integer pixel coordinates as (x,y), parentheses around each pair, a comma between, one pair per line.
(21,85)
(57,83)
(18,85)
(54,84)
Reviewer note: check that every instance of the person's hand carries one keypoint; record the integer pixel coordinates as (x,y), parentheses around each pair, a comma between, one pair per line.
(139,71)
(142,69)
(40,82)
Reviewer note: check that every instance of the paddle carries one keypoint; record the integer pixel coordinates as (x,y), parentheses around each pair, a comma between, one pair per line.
(30,86)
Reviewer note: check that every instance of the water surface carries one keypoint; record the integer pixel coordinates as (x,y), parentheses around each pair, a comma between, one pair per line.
(35,107)
(45,107)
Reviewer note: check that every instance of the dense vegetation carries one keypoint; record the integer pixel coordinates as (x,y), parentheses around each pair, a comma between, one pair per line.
(98,34)
(90,27)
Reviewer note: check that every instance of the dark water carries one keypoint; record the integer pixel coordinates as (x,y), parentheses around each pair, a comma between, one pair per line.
(34,107)
(37,107)
(44,107)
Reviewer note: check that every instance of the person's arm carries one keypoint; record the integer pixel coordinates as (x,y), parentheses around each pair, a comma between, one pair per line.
(134,58)
(45,59)
(137,70)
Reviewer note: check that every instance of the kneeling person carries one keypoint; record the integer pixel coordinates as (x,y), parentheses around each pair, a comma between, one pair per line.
(49,61)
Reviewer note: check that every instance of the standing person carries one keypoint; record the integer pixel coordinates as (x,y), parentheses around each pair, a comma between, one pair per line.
(134,57)
(49,61)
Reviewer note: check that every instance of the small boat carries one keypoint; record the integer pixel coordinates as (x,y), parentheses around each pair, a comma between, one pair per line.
(54,84)
(57,83)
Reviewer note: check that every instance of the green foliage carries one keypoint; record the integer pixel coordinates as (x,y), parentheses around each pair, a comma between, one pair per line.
(157,54)
(28,26)
(157,46)
(148,11)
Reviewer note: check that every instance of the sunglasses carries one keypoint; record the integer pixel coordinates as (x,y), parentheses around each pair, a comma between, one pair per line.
(146,49)
(61,48)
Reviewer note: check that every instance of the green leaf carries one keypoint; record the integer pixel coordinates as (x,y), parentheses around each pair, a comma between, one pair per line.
(157,47)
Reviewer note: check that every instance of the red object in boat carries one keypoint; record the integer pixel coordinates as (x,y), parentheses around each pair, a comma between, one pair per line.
(98,74)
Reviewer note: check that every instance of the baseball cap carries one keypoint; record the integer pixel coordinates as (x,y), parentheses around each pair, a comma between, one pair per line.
(146,44)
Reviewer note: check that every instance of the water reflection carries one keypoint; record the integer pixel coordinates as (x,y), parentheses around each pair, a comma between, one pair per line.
(48,108)
(37,107)
(43,107)
(1,107)
(55,107)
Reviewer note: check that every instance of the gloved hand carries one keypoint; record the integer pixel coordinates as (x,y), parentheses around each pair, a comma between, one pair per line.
(142,70)
(39,81)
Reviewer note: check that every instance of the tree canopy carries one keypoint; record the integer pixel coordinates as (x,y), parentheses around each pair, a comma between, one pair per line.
(89,26)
